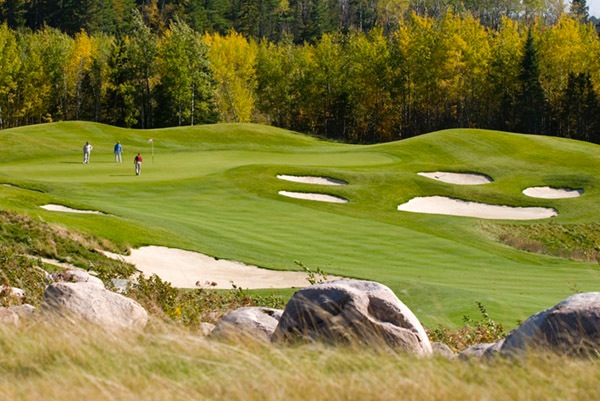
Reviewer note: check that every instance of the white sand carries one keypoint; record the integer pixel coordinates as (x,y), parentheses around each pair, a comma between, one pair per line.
(60,208)
(186,269)
(313,196)
(457,207)
(552,193)
(311,180)
(458,178)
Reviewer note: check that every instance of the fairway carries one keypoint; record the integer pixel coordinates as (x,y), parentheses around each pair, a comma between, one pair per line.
(214,189)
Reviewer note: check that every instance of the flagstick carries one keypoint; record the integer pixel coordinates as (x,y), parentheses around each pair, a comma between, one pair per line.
(153,152)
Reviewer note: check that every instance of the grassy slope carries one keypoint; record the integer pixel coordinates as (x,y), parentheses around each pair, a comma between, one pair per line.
(213,189)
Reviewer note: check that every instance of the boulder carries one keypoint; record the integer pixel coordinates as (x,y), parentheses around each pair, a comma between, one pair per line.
(352,311)
(95,304)
(12,292)
(24,311)
(249,322)
(205,328)
(8,317)
(475,351)
(570,327)
(441,349)
(75,276)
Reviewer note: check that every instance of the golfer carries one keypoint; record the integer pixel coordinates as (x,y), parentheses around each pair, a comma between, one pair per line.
(87,149)
(137,161)
(118,152)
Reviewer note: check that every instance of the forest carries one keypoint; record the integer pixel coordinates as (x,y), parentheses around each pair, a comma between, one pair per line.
(361,71)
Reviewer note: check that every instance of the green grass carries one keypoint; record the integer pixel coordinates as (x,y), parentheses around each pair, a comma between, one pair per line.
(213,189)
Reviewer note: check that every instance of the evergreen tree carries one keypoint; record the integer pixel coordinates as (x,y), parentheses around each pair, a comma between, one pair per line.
(579,116)
(530,100)
(580,10)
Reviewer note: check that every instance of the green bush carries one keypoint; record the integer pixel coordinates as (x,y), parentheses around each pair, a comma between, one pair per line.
(473,332)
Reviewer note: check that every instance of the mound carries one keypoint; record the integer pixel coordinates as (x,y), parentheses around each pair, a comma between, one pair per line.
(458,178)
(313,196)
(552,193)
(458,207)
(311,180)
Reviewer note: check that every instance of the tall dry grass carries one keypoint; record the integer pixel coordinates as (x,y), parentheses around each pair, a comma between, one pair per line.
(74,361)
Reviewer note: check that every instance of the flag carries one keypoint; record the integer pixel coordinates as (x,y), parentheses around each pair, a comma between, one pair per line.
(151,140)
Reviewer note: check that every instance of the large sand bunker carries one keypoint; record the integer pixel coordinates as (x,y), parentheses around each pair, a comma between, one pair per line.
(552,193)
(311,179)
(313,196)
(186,269)
(60,208)
(458,178)
(458,207)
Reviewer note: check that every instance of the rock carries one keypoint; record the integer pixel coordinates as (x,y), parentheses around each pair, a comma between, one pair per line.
(8,317)
(250,322)
(75,276)
(24,311)
(475,351)
(494,350)
(352,311)
(95,304)
(570,327)
(12,292)
(205,328)
(442,349)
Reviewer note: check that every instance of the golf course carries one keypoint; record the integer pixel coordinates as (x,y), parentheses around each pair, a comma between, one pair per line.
(215,190)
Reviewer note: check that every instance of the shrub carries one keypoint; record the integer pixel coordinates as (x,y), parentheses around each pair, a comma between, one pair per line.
(473,332)
(190,307)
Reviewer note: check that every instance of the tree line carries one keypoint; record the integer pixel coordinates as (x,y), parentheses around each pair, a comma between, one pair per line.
(423,74)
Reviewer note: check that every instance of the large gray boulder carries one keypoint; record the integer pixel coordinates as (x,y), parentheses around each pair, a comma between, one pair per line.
(249,322)
(571,327)
(352,311)
(95,304)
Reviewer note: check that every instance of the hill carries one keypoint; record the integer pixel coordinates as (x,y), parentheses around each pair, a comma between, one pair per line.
(214,189)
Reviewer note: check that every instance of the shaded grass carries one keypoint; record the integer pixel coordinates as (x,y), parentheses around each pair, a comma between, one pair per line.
(79,362)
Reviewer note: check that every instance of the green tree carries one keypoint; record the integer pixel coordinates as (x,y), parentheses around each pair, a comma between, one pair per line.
(375,114)
(580,114)
(580,10)
(185,91)
(531,107)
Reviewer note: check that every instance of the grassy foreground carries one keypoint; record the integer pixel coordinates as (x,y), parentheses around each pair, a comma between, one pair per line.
(75,362)
(213,189)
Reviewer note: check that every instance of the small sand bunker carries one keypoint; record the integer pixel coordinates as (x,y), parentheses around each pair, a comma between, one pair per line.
(458,178)
(312,180)
(186,269)
(313,196)
(552,193)
(458,207)
(60,208)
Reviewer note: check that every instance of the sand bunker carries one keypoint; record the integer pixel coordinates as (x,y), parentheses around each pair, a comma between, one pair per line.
(552,193)
(457,207)
(458,178)
(313,196)
(311,180)
(186,269)
(60,208)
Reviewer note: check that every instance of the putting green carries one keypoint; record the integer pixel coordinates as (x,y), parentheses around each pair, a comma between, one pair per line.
(214,189)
